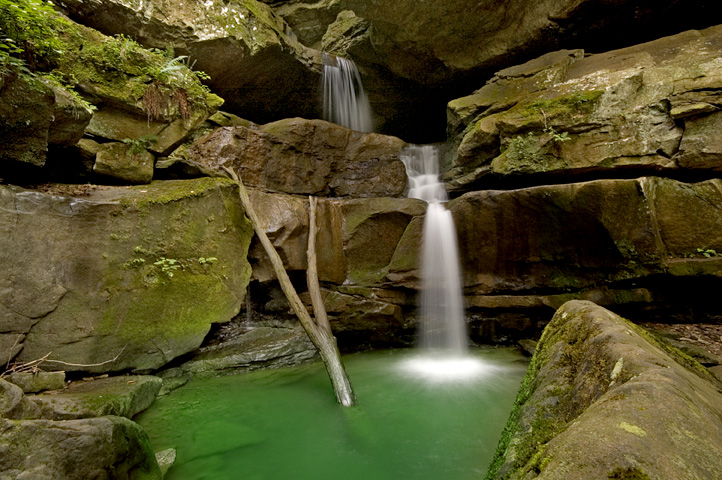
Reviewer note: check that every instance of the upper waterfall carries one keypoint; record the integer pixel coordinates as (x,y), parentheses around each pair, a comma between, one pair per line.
(344,100)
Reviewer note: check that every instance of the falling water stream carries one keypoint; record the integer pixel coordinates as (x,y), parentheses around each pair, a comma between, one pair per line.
(344,99)
(443,338)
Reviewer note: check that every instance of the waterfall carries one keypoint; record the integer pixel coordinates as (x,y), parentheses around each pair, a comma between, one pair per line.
(344,100)
(442,327)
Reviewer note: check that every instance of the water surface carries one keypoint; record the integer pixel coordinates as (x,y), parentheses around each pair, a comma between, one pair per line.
(285,424)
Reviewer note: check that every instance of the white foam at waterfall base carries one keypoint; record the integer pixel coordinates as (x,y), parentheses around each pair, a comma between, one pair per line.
(344,100)
(443,339)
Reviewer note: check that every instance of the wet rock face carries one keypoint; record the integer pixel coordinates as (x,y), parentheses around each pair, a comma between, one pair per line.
(123,277)
(310,157)
(583,410)
(648,108)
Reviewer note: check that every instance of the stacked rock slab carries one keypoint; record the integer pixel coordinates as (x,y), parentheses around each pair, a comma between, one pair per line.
(602,399)
(251,56)
(648,108)
(102,447)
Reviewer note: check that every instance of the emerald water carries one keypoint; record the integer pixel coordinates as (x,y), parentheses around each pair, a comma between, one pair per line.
(286,424)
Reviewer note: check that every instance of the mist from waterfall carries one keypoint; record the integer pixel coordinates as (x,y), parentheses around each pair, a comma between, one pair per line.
(442,327)
(344,100)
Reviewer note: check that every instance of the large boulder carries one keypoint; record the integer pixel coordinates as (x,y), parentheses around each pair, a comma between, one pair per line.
(416,54)
(310,157)
(603,399)
(647,108)
(119,278)
(250,54)
(138,93)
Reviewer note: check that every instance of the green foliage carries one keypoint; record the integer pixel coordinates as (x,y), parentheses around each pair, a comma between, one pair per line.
(557,136)
(68,82)
(168,265)
(524,148)
(207,260)
(703,252)
(707,252)
(29,34)
(140,144)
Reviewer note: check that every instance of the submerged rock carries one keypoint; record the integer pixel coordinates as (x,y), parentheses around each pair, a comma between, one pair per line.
(603,399)
(652,107)
(120,278)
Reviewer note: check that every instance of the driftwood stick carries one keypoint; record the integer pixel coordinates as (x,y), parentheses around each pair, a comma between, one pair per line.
(321,337)
(319,310)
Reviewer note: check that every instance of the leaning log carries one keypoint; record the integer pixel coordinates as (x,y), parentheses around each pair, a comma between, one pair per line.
(318,331)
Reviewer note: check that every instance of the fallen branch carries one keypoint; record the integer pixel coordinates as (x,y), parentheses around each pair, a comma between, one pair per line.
(319,335)
(33,366)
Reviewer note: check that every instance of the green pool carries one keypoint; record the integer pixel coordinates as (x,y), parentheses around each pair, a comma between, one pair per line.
(284,424)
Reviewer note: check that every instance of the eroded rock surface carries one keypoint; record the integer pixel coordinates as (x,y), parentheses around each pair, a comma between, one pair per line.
(584,408)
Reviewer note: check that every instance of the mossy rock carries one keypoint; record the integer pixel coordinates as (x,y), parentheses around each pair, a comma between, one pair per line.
(104,447)
(135,275)
(123,396)
(603,399)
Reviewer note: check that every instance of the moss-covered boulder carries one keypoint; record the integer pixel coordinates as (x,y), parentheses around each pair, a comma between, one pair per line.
(35,116)
(119,278)
(603,399)
(645,108)
(124,163)
(253,59)
(310,157)
(138,93)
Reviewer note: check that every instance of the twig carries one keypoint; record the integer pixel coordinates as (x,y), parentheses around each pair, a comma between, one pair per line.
(88,364)
(34,365)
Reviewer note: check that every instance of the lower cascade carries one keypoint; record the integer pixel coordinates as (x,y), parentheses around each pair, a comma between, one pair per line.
(442,331)
(344,99)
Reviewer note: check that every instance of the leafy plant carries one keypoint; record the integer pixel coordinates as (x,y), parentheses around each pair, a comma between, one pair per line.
(707,252)
(140,144)
(168,265)
(28,34)
(557,136)
(207,260)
